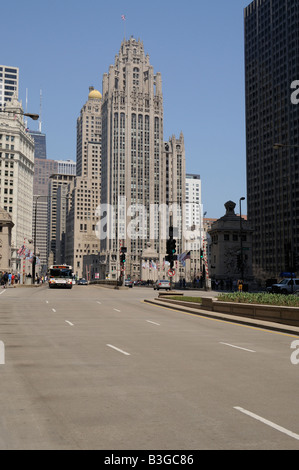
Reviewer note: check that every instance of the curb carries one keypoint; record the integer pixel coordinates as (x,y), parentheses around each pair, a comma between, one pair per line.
(282,328)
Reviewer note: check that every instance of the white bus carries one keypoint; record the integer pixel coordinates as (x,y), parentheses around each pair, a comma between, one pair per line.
(61,276)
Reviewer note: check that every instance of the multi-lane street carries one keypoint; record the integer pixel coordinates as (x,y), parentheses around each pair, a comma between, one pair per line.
(97,368)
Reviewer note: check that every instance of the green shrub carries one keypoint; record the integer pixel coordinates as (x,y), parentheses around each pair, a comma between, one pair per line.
(261,298)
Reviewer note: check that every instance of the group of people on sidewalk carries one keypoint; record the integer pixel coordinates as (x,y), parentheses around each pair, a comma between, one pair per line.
(9,279)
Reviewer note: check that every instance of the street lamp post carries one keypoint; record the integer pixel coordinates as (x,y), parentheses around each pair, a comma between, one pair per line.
(281,146)
(35,117)
(34,249)
(241,242)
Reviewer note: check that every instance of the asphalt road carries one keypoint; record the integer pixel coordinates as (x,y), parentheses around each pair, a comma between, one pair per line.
(97,368)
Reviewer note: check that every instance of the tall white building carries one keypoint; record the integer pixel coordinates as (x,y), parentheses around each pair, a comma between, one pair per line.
(193,201)
(16,175)
(194,225)
(9,84)
(66,167)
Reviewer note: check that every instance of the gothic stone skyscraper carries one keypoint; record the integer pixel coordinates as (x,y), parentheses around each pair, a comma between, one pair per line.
(271,66)
(139,169)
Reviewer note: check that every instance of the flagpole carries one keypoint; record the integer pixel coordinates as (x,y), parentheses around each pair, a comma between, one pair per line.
(123,17)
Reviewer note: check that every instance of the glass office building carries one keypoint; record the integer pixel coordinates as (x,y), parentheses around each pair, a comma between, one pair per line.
(40,149)
(271,67)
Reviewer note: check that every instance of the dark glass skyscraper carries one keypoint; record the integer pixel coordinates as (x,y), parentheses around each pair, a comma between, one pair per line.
(271,67)
(40,150)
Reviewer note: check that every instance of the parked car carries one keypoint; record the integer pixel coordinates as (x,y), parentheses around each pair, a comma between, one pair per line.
(286,286)
(82,282)
(163,284)
(128,283)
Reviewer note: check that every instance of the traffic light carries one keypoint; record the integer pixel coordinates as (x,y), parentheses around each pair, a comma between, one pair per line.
(201,254)
(173,246)
(171,250)
(123,252)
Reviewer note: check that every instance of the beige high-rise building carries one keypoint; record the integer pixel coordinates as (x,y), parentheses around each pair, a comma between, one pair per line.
(16,176)
(43,169)
(57,201)
(142,175)
(81,240)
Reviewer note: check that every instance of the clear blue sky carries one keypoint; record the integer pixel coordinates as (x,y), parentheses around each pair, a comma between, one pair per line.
(64,46)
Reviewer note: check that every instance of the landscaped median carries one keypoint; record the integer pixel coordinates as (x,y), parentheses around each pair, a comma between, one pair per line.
(276,308)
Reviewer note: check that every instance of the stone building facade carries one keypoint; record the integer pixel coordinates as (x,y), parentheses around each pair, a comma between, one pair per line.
(6,225)
(230,236)
(16,175)
(140,171)
(84,193)
(57,209)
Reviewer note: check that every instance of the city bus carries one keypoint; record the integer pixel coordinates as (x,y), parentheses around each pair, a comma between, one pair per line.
(61,276)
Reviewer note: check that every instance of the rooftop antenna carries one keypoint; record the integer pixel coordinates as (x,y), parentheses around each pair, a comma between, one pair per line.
(40,112)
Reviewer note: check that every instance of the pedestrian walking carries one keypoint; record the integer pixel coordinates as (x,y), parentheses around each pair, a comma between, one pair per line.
(5,280)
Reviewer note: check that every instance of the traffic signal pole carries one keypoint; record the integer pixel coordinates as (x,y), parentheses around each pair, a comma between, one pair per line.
(123,252)
(171,252)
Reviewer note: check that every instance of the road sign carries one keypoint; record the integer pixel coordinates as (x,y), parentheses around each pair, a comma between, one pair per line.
(171,272)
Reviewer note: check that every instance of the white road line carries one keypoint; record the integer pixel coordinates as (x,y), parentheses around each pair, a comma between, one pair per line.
(100,303)
(268,423)
(154,323)
(116,310)
(238,347)
(119,350)
(53,310)
(2,292)
(47,301)
(66,321)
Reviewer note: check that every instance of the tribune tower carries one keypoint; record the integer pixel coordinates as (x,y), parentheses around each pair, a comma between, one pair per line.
(138,167)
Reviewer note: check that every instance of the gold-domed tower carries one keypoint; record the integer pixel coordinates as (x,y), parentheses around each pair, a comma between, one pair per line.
(94,94)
